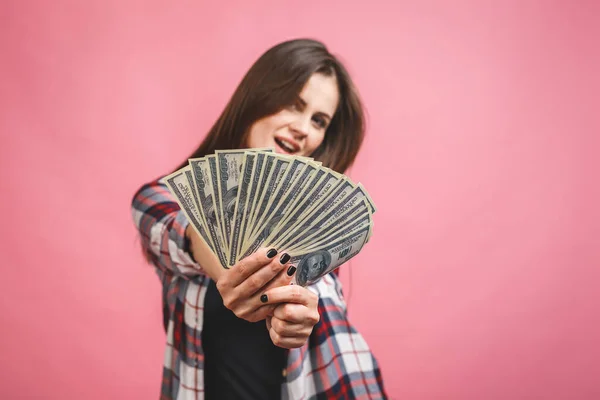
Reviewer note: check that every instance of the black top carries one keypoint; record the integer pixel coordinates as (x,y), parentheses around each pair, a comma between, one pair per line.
(240,360)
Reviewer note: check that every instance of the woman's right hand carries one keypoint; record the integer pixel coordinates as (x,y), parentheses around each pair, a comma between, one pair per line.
(242,285)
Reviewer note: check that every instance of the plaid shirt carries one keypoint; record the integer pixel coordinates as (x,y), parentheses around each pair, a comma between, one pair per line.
(335,363)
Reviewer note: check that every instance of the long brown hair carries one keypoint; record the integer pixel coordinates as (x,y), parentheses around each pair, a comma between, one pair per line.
(274,82)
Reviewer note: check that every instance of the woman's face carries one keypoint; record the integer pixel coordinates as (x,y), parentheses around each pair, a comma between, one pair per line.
(299,129)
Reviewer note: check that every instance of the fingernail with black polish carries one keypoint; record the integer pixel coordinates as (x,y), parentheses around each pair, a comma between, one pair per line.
(264,298)
(284,258)
(291,270)
(271,253)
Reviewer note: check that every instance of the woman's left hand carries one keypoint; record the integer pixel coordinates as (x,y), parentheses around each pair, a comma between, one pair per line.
(292,321)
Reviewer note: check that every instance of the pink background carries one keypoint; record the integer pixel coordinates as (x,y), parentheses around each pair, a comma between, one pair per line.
(482,277)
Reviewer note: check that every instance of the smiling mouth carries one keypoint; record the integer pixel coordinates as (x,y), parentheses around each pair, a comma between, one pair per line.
(287,146)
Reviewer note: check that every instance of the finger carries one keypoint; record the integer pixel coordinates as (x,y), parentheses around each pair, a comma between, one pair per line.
(283,278)
(288,329)
(258,280)
(251,307)
(287,342)
(255,314)
(294,313)
(249,265)
(261,313)
(290,294)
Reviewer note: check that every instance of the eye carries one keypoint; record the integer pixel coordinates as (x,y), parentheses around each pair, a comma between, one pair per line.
(320,121)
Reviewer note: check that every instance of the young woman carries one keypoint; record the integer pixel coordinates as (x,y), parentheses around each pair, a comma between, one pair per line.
(246,333)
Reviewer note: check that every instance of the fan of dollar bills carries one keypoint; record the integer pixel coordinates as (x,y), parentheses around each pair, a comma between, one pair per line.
(241,200)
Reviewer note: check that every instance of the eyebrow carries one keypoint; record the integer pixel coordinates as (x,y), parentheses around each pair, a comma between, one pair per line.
(303,103)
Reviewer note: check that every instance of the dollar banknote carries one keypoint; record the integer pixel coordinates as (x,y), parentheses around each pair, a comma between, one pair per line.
(178,184)
(319,193)
(257,175)
(316,211)
(241,203)
(206,196)
(198,207)
(351,219)
(330,211)
(280,166)
(241,200)
(283,183)
(314,263)
(365,220)
(258,185)
(278,208)
(229,170)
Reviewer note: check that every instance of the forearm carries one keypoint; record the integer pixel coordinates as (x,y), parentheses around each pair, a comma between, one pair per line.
(202,254)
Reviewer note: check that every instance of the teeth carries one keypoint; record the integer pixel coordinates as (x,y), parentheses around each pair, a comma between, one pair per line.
(285,145)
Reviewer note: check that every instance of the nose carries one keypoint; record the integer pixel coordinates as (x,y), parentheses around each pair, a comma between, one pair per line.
(300,127)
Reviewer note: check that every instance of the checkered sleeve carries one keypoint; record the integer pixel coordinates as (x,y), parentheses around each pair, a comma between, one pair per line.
(343,365)
(161,225)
